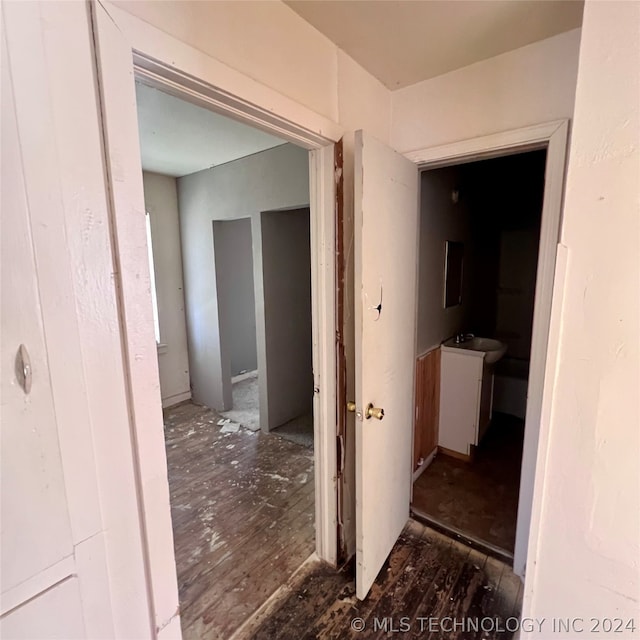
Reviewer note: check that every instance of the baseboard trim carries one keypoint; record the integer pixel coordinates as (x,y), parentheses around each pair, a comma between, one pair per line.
(455,454)
(175,399)
(427,461)
(244,376)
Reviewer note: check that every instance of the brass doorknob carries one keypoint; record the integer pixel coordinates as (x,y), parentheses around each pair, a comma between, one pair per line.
(374,412)
(351,406)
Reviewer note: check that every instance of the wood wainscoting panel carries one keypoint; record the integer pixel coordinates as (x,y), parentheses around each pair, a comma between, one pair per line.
(427,405)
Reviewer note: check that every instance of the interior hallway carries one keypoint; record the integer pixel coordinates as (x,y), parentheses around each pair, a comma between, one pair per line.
(242,506)
(478,498)
(427,576)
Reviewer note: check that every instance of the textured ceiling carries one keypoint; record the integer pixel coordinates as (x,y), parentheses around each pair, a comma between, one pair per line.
(404,42)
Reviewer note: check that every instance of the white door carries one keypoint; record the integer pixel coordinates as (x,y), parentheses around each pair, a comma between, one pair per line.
(35,523)
(40,593)
(386,252)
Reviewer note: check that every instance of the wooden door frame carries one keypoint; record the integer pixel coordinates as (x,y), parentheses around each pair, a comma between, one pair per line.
(551,136)
(128,48)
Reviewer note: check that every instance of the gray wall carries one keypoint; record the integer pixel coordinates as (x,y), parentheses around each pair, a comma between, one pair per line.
(233,255)
(506,209)
(440,220)
(286,255)
(516,290)
(161,201)
(274,179)
(497,217)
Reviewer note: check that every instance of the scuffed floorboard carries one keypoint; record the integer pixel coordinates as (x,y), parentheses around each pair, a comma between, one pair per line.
(427,580)
(242,507)
(480,498)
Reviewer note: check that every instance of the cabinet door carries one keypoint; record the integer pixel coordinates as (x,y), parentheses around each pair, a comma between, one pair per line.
(427,405)
(461,379)
(35,530)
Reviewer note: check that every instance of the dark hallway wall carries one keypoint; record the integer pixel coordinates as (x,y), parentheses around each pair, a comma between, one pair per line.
(233,256)
(496,215)
(270,180)
(286,255)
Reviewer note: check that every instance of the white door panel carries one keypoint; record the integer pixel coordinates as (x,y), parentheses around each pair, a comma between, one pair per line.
(35,531)
(386,244)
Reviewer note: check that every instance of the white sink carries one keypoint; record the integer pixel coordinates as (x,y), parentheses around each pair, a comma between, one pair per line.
(492,350)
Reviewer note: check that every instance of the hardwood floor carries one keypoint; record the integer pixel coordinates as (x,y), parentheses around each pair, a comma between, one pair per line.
(479,498)
(242,507)
(428,583)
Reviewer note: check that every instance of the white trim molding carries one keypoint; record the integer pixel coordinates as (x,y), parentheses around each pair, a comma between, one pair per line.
(165,62)
(553,137)
(178,398)
(323,312)
(128,48)
(498,144)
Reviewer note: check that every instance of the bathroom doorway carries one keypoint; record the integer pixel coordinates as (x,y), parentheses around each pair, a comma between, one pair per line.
(480,235)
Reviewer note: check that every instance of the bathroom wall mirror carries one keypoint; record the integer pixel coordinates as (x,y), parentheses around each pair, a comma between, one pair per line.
(453,263)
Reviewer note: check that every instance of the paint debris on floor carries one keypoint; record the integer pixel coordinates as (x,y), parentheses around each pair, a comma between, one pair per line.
(230,427)
(246,412)
(242,505)
(246,407)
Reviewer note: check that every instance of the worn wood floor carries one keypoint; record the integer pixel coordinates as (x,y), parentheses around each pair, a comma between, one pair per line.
(479,498)
(242,506)
(429,583)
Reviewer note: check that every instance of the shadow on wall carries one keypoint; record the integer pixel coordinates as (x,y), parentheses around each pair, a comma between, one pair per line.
(286,255)
(233,256)
(496,214)
(273,180)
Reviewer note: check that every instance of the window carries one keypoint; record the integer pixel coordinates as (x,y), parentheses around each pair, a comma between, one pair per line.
(152,276)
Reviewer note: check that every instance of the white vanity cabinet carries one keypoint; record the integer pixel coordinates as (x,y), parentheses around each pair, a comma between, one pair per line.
(466,392)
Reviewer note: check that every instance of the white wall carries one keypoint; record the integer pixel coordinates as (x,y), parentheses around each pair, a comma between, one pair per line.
(584,560)
(161,201)
(52,67)
(531,85)
(527,86)
(266,41)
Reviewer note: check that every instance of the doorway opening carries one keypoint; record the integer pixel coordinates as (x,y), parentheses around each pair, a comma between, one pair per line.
(233,265)
(128,49)
(229,224)
(480,235)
